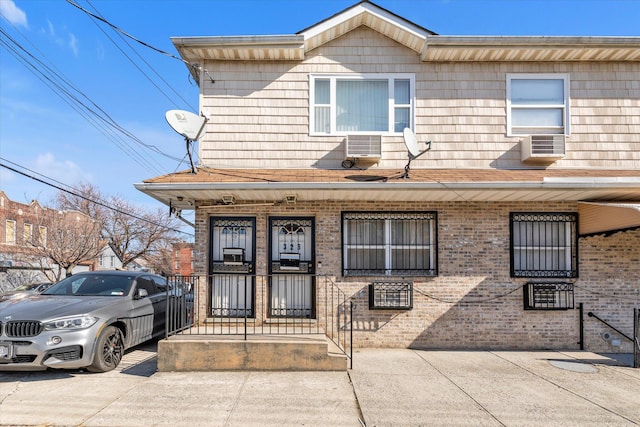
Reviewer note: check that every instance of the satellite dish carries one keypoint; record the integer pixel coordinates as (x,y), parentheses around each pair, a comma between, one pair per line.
(186,123)
(411,142)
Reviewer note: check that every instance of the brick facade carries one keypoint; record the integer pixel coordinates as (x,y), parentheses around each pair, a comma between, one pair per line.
(473,303)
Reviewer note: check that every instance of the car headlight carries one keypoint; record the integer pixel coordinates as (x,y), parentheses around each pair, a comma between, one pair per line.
(74,322)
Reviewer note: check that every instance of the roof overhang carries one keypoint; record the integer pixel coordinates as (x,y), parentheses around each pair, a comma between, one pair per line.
(530,49)
(607,217)
(430,46)
(184,192)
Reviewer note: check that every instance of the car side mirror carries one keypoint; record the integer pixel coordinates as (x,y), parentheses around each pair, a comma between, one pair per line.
(141,293)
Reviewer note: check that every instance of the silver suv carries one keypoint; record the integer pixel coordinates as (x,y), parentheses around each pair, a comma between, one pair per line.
(87,321)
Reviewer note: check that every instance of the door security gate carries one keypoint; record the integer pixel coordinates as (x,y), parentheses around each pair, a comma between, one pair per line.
(291,283)
(232,267)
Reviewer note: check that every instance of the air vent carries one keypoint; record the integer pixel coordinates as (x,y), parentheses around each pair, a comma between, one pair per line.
(363,146)
(542,148)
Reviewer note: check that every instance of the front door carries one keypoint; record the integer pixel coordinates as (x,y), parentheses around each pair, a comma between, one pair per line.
(292,253)
(232,266)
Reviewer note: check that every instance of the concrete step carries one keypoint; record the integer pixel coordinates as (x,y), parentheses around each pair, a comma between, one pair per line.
(257,353)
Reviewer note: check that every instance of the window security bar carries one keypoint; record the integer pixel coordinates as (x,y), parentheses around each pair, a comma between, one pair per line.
(548,296)
(391,296)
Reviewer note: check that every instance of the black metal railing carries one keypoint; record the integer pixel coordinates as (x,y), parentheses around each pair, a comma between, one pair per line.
(246,304)
(592,314)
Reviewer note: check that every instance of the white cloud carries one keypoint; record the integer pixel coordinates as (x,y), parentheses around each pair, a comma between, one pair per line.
(73,44)
(13,13)
(64,171)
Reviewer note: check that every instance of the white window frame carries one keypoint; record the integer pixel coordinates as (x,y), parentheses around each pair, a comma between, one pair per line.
(333,78)
(566,116)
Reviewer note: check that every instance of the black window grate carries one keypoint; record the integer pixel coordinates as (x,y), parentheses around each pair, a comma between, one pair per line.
(548,296)
(544,245)
(391,296)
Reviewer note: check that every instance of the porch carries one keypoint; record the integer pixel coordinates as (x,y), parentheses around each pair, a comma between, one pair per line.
(253,322)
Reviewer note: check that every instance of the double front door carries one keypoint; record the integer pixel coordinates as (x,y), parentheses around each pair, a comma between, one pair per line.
(289,288)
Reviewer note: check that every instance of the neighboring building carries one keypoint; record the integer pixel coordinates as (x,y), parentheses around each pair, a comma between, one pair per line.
(526,205)
(108,259)
(183,259)
(20,226)
(23,227)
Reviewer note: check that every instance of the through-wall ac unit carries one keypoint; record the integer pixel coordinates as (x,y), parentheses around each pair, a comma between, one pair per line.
(363,146)
(543,148)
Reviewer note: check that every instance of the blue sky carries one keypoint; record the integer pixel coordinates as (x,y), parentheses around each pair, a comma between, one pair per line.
(42,135)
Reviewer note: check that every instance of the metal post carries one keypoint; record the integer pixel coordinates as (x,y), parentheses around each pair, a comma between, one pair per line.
(636,338)
(581,308)
(351,333)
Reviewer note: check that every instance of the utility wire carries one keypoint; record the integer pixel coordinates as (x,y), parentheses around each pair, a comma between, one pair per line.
(59,86)
(125,33)
(105,205)
(143,60)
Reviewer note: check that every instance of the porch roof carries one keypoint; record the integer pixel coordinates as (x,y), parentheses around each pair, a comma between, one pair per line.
(185,190)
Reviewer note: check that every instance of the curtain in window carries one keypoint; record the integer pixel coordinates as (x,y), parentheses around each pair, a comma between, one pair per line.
(362,105)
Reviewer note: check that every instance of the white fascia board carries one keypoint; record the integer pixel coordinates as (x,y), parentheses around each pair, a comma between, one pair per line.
(535,41)
(547,183)
(357,10)
(292,40)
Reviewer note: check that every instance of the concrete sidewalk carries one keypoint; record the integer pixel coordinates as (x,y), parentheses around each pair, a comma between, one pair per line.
(384,388)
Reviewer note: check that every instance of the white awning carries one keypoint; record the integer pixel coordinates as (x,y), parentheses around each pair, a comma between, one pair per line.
(606,217)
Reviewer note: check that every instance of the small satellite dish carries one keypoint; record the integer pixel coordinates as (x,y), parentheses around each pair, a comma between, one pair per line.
(411,142)
(186,123)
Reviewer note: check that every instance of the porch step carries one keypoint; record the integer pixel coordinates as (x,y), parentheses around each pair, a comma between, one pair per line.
(256,353)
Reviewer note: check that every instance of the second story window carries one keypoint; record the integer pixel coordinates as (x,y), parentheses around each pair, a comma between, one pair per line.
(10,232)
(361,103)
(537,104)
(28,234)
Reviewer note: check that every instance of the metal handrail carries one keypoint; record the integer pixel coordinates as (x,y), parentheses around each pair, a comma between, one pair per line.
(255,317)
(591,314)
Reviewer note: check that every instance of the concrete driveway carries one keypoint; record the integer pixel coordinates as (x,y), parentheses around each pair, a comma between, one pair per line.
(384,388)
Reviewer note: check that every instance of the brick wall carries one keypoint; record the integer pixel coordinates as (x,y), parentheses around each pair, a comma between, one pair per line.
(473,303)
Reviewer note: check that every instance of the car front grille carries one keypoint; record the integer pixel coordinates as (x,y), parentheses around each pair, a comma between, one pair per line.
(21,358)
(20,329)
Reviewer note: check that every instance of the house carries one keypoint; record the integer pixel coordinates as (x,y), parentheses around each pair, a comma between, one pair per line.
(506,212)
(108,259)
(24,228)
(183,259)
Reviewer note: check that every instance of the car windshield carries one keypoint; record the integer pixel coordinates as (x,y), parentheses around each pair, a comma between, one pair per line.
(92,285)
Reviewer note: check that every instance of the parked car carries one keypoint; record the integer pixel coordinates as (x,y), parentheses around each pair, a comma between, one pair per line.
(86,321)
(25,291)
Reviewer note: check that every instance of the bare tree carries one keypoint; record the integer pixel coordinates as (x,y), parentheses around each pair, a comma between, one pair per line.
(67,238)
(133,232)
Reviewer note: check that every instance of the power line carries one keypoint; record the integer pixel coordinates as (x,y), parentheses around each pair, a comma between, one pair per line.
(143,60)
(125,33)
(62,87)
(88,199)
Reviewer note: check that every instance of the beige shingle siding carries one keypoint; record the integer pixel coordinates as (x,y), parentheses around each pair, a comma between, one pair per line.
(259,111)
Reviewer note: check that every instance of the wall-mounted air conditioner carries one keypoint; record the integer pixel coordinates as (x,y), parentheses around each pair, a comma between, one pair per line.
(542,148)
(363,146)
